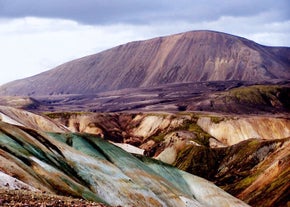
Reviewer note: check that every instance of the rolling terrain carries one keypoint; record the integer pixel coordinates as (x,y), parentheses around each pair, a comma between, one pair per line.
(89,167)
(80,154)
(248,156)
(194,119)
(219,97)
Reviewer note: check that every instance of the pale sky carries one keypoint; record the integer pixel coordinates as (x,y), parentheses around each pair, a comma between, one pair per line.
(38,35)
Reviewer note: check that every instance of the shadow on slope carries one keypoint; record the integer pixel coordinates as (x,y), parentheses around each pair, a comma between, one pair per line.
(256,171)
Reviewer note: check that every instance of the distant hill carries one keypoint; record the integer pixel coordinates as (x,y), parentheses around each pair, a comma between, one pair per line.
(186,57)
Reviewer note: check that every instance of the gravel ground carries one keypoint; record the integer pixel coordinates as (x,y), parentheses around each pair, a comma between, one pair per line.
(17,198)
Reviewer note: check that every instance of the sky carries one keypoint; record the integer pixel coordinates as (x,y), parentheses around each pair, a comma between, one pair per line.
(38,35)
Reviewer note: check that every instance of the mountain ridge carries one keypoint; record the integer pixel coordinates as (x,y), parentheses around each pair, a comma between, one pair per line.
(88,167)
(185,57)
(74,154)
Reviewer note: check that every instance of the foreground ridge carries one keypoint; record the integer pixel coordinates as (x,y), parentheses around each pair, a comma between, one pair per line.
(89,167)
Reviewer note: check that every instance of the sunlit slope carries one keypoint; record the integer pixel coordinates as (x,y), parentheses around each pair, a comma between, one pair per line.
(248,156)
(141,128)
(181,58)
(24,118)
(245,155)
(87,166)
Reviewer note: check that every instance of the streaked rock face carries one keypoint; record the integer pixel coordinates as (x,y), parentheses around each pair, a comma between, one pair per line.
(182,58)
(221,130)
(219,148)
(233,131)
(242,154)
(87,166)
(27,119)
(257,171)
(76,154)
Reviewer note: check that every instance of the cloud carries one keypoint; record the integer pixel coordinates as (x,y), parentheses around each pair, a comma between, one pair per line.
(32,45)
(138,11)
(269,33)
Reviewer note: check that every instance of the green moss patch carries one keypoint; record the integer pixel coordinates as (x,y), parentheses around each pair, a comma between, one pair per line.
(260,94)
(198,160)
(64,115)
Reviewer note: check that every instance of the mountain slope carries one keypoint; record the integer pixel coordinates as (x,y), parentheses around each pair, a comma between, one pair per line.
(186,57)
(86,166)
(245,155)
(24,118)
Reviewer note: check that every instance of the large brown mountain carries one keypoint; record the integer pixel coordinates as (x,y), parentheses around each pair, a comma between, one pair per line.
(186,57)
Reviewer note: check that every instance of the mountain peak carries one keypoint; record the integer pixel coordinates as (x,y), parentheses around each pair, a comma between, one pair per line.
(193,56)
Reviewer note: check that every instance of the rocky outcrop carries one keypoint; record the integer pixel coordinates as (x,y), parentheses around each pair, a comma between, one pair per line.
(257,172)
(28,119)
(245,155)
(86,166)
(254,170)
(209,130)
(181,58)
(234,130)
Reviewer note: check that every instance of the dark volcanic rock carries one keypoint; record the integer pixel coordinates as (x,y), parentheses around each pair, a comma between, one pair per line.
(181,58)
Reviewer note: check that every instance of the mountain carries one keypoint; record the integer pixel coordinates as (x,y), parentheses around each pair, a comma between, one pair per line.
(75,154)
(87,166)
(248,156)
(196,56)
(181,111)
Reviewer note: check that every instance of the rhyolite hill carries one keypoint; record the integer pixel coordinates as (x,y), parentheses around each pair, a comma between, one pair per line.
(86,166)
(196,56)
(69,154)
(40,154)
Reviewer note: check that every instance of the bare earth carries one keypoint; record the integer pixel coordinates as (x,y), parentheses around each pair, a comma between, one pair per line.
(38,199)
